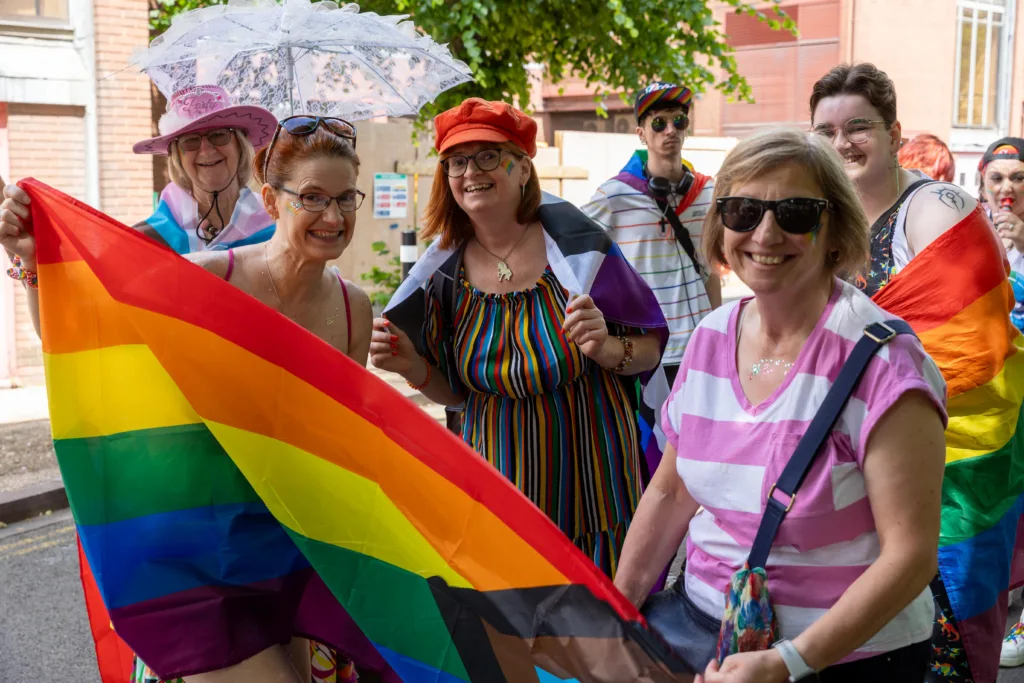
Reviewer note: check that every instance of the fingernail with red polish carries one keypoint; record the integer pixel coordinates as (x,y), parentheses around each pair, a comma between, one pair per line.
(394,337)
(394,353)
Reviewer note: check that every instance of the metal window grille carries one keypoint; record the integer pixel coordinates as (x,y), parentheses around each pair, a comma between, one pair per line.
(983,54)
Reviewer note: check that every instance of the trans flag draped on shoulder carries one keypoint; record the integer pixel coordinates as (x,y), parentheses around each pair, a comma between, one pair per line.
(176,220)
(586,261)
(961,314)
(236,481)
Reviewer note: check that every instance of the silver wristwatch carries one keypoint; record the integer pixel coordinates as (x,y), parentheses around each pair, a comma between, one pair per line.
(798,669)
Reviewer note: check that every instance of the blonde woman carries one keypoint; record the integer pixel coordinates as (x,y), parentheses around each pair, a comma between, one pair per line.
(850,566)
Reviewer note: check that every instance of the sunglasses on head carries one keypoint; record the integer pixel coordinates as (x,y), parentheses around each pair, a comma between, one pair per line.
(680,122)
(306,125)
(795,215)
(218,137)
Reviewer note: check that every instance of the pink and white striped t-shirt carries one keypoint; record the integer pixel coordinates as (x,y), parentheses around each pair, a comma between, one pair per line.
(732,452)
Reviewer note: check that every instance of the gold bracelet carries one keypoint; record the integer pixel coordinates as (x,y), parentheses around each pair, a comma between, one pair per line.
(627,355)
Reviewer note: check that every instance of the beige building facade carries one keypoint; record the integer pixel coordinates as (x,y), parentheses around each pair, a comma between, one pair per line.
(956,65)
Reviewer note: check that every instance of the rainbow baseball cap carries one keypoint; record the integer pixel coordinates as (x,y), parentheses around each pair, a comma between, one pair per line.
(662,92)
(1003,148)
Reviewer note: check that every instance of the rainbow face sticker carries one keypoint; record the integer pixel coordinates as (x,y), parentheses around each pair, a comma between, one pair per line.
(508,167)
(293,206)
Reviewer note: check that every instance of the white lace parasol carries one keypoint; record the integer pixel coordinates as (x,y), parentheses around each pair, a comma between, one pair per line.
(303,57)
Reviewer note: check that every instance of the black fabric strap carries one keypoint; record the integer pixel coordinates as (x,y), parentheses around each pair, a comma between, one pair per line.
(449,272)
(682,234)
(876,335)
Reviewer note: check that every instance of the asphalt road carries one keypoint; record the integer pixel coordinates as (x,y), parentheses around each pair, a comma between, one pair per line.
(44,631)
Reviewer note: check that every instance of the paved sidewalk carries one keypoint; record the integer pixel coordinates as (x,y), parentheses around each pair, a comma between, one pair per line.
(23,404)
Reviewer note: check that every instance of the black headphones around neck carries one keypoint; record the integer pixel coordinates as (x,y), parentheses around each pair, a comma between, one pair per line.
(661,187)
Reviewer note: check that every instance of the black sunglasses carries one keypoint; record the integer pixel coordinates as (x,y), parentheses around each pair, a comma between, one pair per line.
(795,215)
(306,125)
(680,122)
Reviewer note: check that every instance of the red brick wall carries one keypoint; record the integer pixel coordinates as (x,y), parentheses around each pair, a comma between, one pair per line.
(123,110)
(48,143)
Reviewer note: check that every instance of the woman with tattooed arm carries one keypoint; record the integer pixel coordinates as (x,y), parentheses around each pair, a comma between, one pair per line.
(854,106)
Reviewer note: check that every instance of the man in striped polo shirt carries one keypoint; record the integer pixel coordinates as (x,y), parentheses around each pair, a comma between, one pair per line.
(654,209)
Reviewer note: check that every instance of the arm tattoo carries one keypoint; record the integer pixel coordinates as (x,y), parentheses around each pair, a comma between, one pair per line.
(951,198)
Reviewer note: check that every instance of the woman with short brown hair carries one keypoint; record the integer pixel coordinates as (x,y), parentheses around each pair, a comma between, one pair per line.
(525,312)
(929,243)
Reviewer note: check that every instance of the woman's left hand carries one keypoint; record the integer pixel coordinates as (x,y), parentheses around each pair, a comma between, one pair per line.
(747,667)
(585,326)
(1010,227)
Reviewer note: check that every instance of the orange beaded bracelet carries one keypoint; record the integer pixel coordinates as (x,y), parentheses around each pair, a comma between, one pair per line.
(430,371)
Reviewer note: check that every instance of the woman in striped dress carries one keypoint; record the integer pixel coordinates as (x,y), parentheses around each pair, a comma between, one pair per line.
(546,369)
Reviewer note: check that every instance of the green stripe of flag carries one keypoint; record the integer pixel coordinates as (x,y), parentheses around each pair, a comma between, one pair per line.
(133,474)
(394,608)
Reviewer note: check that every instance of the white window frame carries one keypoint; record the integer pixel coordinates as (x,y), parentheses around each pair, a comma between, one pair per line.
(1004,67)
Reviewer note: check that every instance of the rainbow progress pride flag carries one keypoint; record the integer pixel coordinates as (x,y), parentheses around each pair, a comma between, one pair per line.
(956,296)
(236,481)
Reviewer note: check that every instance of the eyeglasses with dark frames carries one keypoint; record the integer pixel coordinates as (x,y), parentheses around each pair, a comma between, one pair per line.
(317,202)
(486,160)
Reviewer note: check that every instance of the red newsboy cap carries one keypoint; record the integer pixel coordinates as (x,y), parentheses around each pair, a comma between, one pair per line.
(477,120)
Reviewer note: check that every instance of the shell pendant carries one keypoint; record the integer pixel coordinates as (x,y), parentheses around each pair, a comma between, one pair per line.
(504,272)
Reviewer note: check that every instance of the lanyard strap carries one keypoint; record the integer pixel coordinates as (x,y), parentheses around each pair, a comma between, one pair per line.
(876,335)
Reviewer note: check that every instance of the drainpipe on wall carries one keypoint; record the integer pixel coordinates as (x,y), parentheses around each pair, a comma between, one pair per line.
(92,133)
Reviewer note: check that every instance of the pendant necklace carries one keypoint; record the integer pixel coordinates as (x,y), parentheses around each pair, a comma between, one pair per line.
(504,272)
(764,366)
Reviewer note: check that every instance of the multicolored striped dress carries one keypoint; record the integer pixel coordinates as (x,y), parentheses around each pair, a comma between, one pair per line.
(556,424)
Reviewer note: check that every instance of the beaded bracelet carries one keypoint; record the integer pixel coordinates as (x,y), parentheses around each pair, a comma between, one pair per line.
(430,370)
(627,354)
(18,272)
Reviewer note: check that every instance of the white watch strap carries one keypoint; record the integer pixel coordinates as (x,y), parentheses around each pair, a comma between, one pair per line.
(798,669)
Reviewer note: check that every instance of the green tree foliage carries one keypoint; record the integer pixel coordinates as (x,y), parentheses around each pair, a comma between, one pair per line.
(162,11)
(614,45)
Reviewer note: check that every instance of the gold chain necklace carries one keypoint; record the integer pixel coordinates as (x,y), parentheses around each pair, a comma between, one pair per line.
(329,319)
(280,301)
(504,272)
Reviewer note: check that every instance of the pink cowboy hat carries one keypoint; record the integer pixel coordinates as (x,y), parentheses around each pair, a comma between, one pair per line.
(204,107)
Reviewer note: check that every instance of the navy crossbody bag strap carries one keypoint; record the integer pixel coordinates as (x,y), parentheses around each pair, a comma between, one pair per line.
(876,335)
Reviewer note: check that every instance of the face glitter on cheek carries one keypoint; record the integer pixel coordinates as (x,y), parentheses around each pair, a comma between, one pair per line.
(293,206)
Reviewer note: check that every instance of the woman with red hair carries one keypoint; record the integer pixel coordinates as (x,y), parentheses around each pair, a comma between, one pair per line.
(928,154)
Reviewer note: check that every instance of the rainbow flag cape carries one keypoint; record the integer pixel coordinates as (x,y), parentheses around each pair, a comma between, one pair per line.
(956,295)
(236,481)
